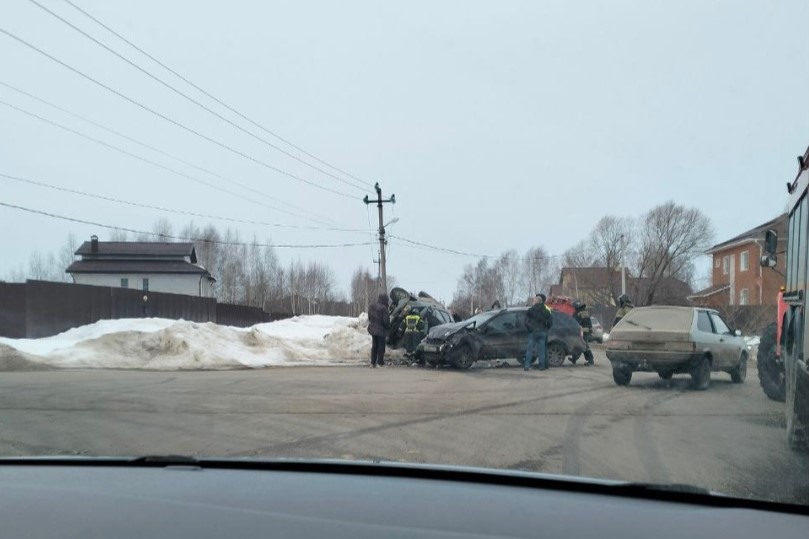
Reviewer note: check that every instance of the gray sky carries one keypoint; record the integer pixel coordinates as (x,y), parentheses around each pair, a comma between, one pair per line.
(497,124)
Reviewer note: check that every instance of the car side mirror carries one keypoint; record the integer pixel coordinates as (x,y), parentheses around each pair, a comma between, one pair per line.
(770,242)
(737,332)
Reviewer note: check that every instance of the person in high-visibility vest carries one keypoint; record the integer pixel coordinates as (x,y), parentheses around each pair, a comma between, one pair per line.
(624,306)
(415,330)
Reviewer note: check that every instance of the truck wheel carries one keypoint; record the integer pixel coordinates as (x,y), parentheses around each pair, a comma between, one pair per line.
(739,374)
(462,358)
(621,376)
(556,354)
(701,374)
(770,372)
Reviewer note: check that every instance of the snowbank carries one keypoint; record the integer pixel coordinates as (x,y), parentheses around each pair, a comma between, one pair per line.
(160,344)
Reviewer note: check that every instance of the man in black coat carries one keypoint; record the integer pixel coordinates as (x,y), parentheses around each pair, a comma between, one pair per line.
(378,325)
(538,320)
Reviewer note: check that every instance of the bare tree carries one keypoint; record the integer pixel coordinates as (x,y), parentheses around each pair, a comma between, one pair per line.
(66,257)
(672,237)
(118,235)
(610,241)
(163,230)
(363,288)
(536,271)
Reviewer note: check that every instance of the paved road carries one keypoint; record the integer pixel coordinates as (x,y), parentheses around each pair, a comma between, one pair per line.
(570,420)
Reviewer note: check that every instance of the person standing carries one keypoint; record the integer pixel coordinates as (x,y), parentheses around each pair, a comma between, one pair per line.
(582,316)
(538,320)
(624,306)
(378,325)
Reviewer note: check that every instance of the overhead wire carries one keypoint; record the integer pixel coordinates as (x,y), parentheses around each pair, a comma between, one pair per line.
(191,99)
(171,120)
(171,210)
(214,98)
(152,148)
(163,167)
(180,238)
(428,247)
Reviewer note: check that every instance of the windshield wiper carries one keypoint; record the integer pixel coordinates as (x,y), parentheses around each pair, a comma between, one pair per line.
(638,488)
(164,460)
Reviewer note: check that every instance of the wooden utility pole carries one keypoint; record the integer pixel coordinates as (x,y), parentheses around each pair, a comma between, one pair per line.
(379,203)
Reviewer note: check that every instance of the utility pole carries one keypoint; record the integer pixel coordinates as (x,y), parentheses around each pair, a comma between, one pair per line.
(379,202)
(623,267)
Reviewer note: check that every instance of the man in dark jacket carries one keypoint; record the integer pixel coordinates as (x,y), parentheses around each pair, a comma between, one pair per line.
(538,320)
(378,325)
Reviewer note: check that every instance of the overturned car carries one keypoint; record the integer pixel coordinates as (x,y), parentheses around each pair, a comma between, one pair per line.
(430,313)
(498,335)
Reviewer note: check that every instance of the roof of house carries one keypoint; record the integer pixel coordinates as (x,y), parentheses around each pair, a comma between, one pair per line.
(136,266)
(139,249)
(779,224)
(710,291)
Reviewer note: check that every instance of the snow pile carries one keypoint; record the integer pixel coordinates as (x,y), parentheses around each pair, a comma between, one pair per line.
(752,345)
(160,344)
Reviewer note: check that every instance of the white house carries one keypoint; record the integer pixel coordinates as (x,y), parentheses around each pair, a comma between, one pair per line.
(147,266)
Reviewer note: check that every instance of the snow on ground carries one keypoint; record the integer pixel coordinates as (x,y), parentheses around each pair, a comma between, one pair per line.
(160,344)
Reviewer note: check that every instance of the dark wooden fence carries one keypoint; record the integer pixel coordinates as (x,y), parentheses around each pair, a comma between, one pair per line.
(37,309)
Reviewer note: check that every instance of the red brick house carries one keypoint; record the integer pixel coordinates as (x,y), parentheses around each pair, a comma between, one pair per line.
(737,278)
(600,287)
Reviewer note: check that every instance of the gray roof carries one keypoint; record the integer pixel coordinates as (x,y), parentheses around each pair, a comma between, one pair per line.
(779,224)
(139,249)
(136,266)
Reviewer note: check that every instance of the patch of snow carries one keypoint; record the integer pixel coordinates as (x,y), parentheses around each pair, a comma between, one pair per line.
(159,344)
(605,337)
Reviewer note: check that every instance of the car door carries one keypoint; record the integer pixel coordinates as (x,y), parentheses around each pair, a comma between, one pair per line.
(728,344)
(728,341)
(499,337)
(706,338)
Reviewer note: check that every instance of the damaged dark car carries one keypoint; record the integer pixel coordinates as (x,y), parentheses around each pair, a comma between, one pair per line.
(498,335)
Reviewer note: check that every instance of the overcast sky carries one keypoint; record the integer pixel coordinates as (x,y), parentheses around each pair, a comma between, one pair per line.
(496,124)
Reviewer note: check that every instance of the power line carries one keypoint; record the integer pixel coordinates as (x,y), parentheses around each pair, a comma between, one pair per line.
(191,99)
(161,166)
(429,247)
(161,152)
(171,120)
(222,103)
(171,210)
(182,238)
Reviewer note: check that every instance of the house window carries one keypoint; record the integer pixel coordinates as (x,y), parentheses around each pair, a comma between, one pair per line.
(146,285)
(124,283)
(743,296)
(744,261)
(725,265)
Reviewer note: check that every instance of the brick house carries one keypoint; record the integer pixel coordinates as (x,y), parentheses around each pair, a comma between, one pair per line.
(737,278)
(600,287)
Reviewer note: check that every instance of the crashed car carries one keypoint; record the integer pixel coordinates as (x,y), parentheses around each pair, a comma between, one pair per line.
(403,303)
(498,335)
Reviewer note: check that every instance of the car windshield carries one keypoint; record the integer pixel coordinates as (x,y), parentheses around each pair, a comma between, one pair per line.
(481,318)
(258,229)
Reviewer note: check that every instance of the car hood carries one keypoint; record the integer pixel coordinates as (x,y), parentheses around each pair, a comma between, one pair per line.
(445,330)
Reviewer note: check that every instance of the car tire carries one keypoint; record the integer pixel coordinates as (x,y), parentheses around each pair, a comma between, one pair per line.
(462,358)
(701,374)
(666,375)
(739,374)
(770,372)
(622,376)
(556,354)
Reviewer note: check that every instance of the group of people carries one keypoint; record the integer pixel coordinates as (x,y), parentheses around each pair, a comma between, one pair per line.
(538,322)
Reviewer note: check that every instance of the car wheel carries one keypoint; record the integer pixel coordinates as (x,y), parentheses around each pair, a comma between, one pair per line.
(621,375)
(556,354)
(666,375)
(701,374)
(739,374)
(770,373)
(462,358)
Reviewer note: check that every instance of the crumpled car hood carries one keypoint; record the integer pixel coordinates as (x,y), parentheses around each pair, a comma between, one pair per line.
(445,330)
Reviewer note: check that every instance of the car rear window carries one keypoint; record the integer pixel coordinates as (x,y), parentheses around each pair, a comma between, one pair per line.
(660,318)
